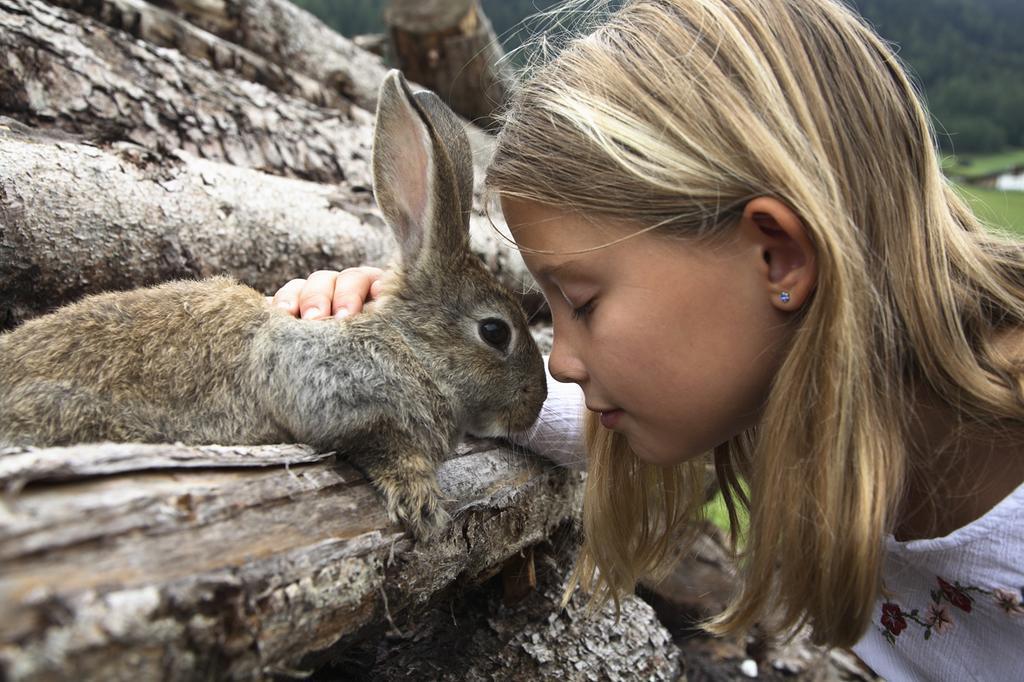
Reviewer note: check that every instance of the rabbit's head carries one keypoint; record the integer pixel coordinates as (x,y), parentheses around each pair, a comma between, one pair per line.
(471,331)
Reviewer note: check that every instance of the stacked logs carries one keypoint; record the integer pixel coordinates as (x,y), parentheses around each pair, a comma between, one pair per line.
(145,141)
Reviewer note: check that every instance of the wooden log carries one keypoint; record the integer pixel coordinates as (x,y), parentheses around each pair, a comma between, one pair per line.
(292,38)
(21,466)
(77,219)
(164,28)
(377,43)
(450,47)
(478,635)
(239,568)
(166,562)
(60,69)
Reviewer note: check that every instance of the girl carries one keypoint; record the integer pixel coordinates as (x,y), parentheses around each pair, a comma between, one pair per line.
(736,213)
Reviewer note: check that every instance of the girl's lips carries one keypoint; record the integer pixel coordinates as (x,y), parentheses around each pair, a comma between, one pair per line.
(610,419)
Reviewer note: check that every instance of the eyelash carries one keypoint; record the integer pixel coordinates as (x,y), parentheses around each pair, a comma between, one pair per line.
(583,310)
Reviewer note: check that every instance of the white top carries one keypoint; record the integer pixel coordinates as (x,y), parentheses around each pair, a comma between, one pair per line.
(558,432)
(952,607)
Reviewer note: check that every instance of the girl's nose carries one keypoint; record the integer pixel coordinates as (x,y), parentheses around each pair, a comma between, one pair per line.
(563,364)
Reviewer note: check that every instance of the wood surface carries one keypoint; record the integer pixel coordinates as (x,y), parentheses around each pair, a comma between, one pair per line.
(451,48)
(169,562)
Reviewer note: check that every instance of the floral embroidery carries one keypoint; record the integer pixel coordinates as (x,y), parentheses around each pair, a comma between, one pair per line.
(892,618)
(955,595)
(1008,601)
(938,618)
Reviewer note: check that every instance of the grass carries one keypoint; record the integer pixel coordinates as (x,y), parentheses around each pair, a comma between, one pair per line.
(1003,210)
(971,166)
(716,513)
(1000,209)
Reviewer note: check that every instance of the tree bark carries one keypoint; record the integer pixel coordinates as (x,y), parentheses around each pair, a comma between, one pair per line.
(167,562)
(63,70)
(451,49)
(76,219)
(159,26)
(482,635)
(158,158)
(290,37)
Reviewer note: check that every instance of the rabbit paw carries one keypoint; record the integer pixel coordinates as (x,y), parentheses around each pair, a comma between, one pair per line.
(417,504)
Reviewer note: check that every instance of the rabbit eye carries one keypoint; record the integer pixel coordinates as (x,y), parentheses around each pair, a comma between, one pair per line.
(495,332)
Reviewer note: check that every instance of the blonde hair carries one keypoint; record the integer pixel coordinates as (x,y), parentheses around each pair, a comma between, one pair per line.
(679,112)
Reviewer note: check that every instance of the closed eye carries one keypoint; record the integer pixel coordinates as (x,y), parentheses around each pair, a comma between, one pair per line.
(583,310)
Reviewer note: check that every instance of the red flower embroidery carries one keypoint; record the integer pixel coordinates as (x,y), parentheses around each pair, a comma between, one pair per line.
(892,618)
(955,596)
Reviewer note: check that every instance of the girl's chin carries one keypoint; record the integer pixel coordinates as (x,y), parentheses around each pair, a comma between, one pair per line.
(659,454)
(652,454)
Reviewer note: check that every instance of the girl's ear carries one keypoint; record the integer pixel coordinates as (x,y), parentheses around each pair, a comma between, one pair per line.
(788,257)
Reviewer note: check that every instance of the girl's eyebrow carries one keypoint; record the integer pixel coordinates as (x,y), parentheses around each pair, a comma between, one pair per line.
(548,270)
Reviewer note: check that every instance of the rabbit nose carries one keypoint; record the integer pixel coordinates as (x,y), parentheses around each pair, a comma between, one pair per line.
(528,387)
(534,392)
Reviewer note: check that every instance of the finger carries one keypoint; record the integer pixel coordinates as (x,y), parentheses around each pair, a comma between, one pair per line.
(287,297)
(315,297)
(352,288)
(377,288)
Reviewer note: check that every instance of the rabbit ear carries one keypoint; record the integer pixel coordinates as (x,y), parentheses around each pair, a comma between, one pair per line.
(422,172)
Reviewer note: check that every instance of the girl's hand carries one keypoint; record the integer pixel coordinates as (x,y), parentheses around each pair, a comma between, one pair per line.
(327,292)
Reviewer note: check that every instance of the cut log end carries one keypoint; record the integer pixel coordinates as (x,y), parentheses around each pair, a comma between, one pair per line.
(451,49)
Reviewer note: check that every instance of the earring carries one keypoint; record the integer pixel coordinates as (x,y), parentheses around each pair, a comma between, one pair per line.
(784,297)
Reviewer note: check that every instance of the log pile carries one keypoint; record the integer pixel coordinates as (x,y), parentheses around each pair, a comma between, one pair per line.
(141,142)
(136,162)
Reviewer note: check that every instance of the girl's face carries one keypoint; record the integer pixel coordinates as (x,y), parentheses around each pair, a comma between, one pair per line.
(674,342)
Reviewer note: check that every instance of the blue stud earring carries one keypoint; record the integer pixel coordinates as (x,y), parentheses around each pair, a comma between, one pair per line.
(784,297)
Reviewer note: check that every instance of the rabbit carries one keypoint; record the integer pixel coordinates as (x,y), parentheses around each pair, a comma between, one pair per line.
(444,351)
